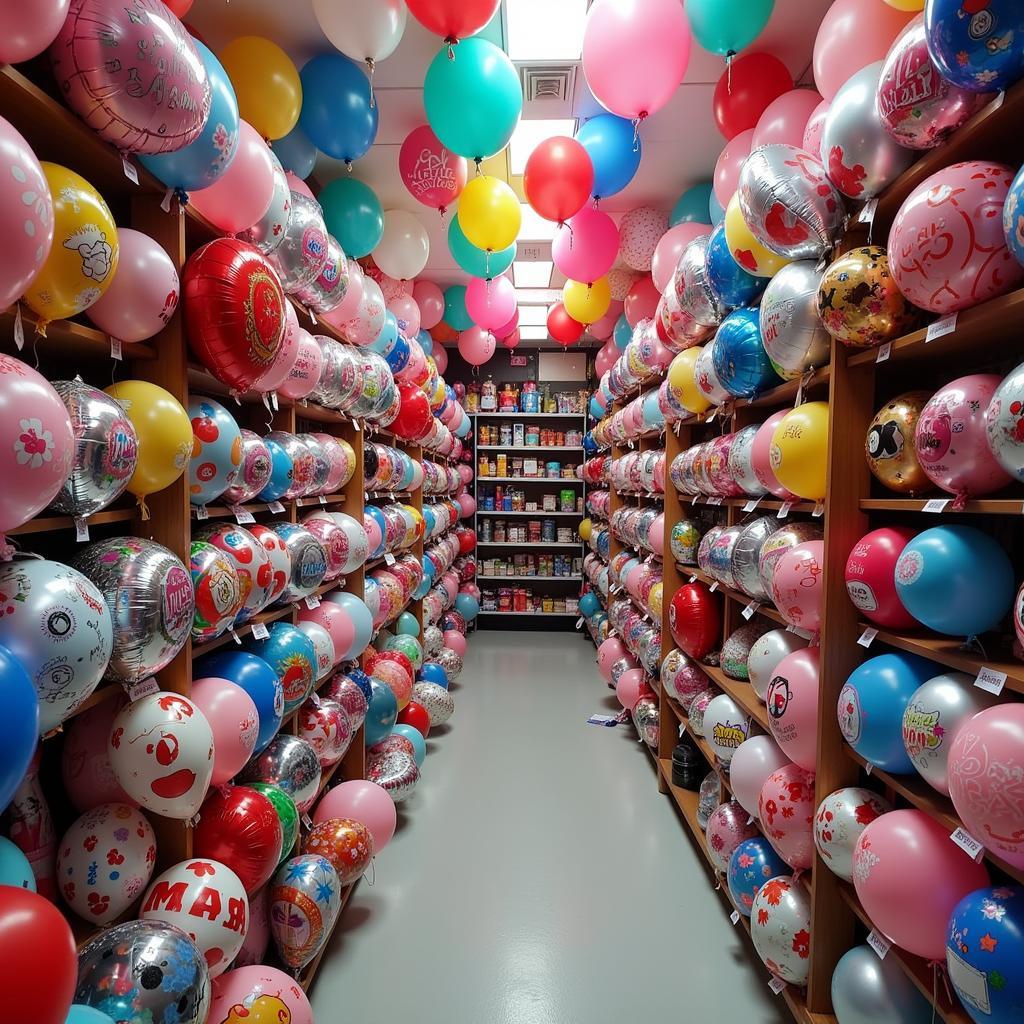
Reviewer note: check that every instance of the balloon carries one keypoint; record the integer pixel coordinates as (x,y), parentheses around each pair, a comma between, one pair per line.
(365,31)
(474,102)
(841,818)
(234,721)
(752,762)
(218,591)
(364,802)
(430,299)
(725,727)
(455,313)
(240,828)
(489,215)
(1001,424)
(706,379)
(730,164)
(404,247)
(784,120)
(254,676)
(453,20)
(27,32)
(869,577)
(133,103)
(586,303)
(353,215)
(727,827)
(889,446)
(799,450)
(716,211)
(585,248)
(811,142)
(291,764)
(780,927)
(634,61)
(797,584)
(866,990)
(562,327)
(695,619)
(792,701)
(793,336)
(432,174)
(87,1015)
(292,656)
(974,45)
(302,256)
(288,817)
(338,111)
(641,302)
(491,303)
(786,809)
(726,28)
(682,383)
(752,863)
(745,89)
(347,844)
(669,250)
(216,450)
(302,379)
(558,178)
(746,250)
(268,87)
(417,716)
(295,152)
(741,362)
(639,233)
(305,900)
(265,994)
(613,151)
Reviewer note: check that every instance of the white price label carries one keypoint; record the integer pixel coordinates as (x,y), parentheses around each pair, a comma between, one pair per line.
(939,329)
(879,944)
(260,631)
(974,848)
(819,510)
(883,353)
(131,172)
(276,507)
(698,498)
(143,688)
(693,579)
(355,423)
(867,212)
(751,610)
(19,329)
(777,985)
(579,622)
(714,413)
(868,768)
(307,821)
(236,638)
(115,349)
(716,500)
(243,515)
(202,512)
(323,499)
(785,510)
(991,680)
(389,559)
(751,505)
(81,529)
(713,587)
(165,203)
(735,917)
(936,504)
(312,602)
(867,638)
(274,402)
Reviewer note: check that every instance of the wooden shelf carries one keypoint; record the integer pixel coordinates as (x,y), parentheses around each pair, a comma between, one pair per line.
(64,338)
(761,505)
(519,544)
(50,524)
(989,506)
(741,692)
(692,572)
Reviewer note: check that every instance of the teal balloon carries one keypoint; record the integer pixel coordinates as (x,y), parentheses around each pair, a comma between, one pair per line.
(623,333)
(473,102)
(79,1014)
(474,261)
(715,209)
(14,867)
(692,206)
(407,624)
(455,315)
(353,214)
(727,26)
(466,605)
(415,737)
(426,342)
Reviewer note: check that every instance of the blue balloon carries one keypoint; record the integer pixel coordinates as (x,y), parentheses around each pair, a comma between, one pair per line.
(589,444)
(653,417)
(752,863)
(398,357)
(476,262)
(353,214)
(79,1014)
(595,409)
(623,333)
(741,363)
(692,206)
(296,153)
(429,520)
(363,681)
(589,604)
(217,441)
(415,737)
(984,951)
(14,867)
(614,150)
(280,472)
(338,113)
(955,580)
(199,164)
(464,427)
(422,588)
(374,512)
(467,606)
(1013,217)
(360,617)
(715,209)
(732,285)
(432,672)
(292,655)
(381,714)
(426,342)
(19,725)
(258,680)
(429,566)
(388,337)
(982,51)
(871,706)
(455,315)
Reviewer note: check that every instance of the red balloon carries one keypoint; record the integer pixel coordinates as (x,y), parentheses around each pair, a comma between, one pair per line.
(467,541)
(414,416)
(558,178)
(641,301)
(38,952)
(240,828)
(453,19)
(512,341)
(433,174)
(870,579)
(562,327)
(179,7)
(695,619)
(234,311)
(743,92)
(399,659)
(417,716)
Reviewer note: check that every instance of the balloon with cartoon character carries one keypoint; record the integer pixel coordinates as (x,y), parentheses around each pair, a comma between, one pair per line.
(305,900)
(218,591)
(889,445)
(250,560)
(258,995)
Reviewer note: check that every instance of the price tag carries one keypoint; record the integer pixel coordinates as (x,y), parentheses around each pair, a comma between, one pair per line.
(715,501)
(143,688)
(868,768)
(312,602)
(236,638)
(819,510)
(260,631)
(713,587)
(991,680)
(389,559)
(131,172)
(883,353)
(878,944)
(693,579)
(776,985)
(202,512)
(971,846)
(314,699)
(243,515)
(19,329)
(579,622)
(939,329)
(276,507)
(936,504)
(714,413)
(698,498)
(867,638)
(355,423)
(307,821)
(751,505)
(735,917)
(165,203)
(81,529)
(273,401)
(751,610)
(323,499)
(115,349)
(867,213)
(785,510)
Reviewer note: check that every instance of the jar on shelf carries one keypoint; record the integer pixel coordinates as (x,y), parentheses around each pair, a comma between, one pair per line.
(532,435)
(530,398)
(508,400)
(567,500)
(488,395)
(554,470)
(505,601)
(506,435)
(547,530)
(473,397)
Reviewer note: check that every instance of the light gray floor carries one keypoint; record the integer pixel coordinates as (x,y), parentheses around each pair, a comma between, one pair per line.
(538,877)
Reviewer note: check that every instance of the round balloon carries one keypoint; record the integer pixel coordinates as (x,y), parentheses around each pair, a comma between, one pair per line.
(842,816)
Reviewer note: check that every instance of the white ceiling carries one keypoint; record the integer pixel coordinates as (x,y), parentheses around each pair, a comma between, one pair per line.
(680,142)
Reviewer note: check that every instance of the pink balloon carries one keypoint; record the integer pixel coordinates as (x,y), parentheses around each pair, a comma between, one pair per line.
(727,827)
(657,534)
(144,294)
(365,802)
(909,877)
(785,119)
(491,303)
(797,585)
(407,313)
(610,651)
(364,328)
(632,685)
(434,175)
(467,505)
(349,305)
(373,533)
(287,355)
(507,328)
(28,29)
(476,345)
(430,300)
(604,328)
(870,576)
(234,720)
(512,340)
(670,248)
(634,56)
(85,764)
(639,232)
(760,457)
(470,588)
(338,623)
(242,194)
(585,247)
(305,374)
(26,226)
(449,414)
(786,809)
(257,935)
(607,357)
(248,987)
(465,473)
(456,642)
(440,356)
(296,184)
(793,706)
(754,760)
(814,129)
(729,165)
(641,301)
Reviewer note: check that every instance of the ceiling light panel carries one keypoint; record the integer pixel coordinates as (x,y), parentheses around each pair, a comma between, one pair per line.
(545,29)
(534,227)
(531,275)
(533,333)
(533,315)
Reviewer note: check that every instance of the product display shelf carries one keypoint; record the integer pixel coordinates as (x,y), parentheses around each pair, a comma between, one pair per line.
(535,515)
(529,416)
(534,579)
(532,614)
(561,481)
(692,573)
(518,544)
(527,448)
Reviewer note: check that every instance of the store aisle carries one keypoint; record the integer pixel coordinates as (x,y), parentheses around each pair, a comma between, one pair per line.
(537,876)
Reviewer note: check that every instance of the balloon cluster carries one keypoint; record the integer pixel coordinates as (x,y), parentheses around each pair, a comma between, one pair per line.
(638,472)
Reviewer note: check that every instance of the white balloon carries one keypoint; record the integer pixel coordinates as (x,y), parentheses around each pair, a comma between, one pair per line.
(725,727)
(754,760)
(404,247)
(365,30)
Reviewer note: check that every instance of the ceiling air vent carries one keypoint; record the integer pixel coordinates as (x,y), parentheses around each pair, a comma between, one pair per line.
(552,85)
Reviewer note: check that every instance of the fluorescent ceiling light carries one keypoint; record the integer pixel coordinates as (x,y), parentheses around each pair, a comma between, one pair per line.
(533,316)
(529,134)
(531,275)
(538,296)
(533,333)
(546,29)
(535,228)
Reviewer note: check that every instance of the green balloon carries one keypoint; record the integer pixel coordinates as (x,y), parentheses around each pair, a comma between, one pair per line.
(473,102)
(474,261)
(407,624)
(455,315)
(728,26)
(286,811)
(353,214)
(409,646)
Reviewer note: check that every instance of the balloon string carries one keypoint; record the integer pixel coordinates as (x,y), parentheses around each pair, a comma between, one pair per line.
(143,507)
(348,166)
(636,132)
(476,160)
(973,643)
(487,269)
(960,502)
(568,227)
(370,66)
(728,70)
(35,345)
(373,871)
(451,42)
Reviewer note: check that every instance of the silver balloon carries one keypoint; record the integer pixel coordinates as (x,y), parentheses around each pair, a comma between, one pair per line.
(791,331)
(619,666)
(290,763)
(451,663)
(326,392)
(440,704)
(327,290)
(741,467)
(270,230)
(301,256)
(106,450)
(862,157)
(350,696)
(780,925)
(433,640)
(305,901)
(348,382)
(151,601)
(788,202)
(693,289)
(938,708)
(254,473)
(646,719)
(706,379)
(720,555)
(374,379)
(396,772)
(746,553)
(866,990)
(1002,422)
(144,971)
(840,819)
(765,654)
(308,562)
(303,464)
(321,463)
(784,538)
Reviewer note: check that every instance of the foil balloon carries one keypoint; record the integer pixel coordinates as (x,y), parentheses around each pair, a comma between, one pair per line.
(840,819)
(709,386)
(346,843)
(218,591)
(695,619)
(440,704)
(745,557)
(106,449)
(303,252)
(144,971)
(150,598)
(788,203)
(791,329)
(396,772)
(287,814)
(292,656)
(351,697)
(682,678)
(1004,423)
(693,287)
(726,828)
(258,994)
(254,471)
(269,231)
(889,445)
(730,282)
(741,362)
(291,764)
(216,450)
(741,466)
(325,727)
(645,716)
(780,927)
(305,901)
(866,990)
(307,562)
(327,290)
(683,541)
(974,43)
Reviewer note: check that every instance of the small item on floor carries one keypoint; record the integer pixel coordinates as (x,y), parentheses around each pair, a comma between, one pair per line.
(609,720)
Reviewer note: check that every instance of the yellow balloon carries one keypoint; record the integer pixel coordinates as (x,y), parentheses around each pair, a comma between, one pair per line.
(906,5)
(164,432)
(489,213)
(586,527)
(266,83)
(682,381)
(587,303)
(799,451)
(83,257)
(746,250)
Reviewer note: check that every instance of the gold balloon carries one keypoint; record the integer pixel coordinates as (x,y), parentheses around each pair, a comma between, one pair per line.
(858,300)
(889,446)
